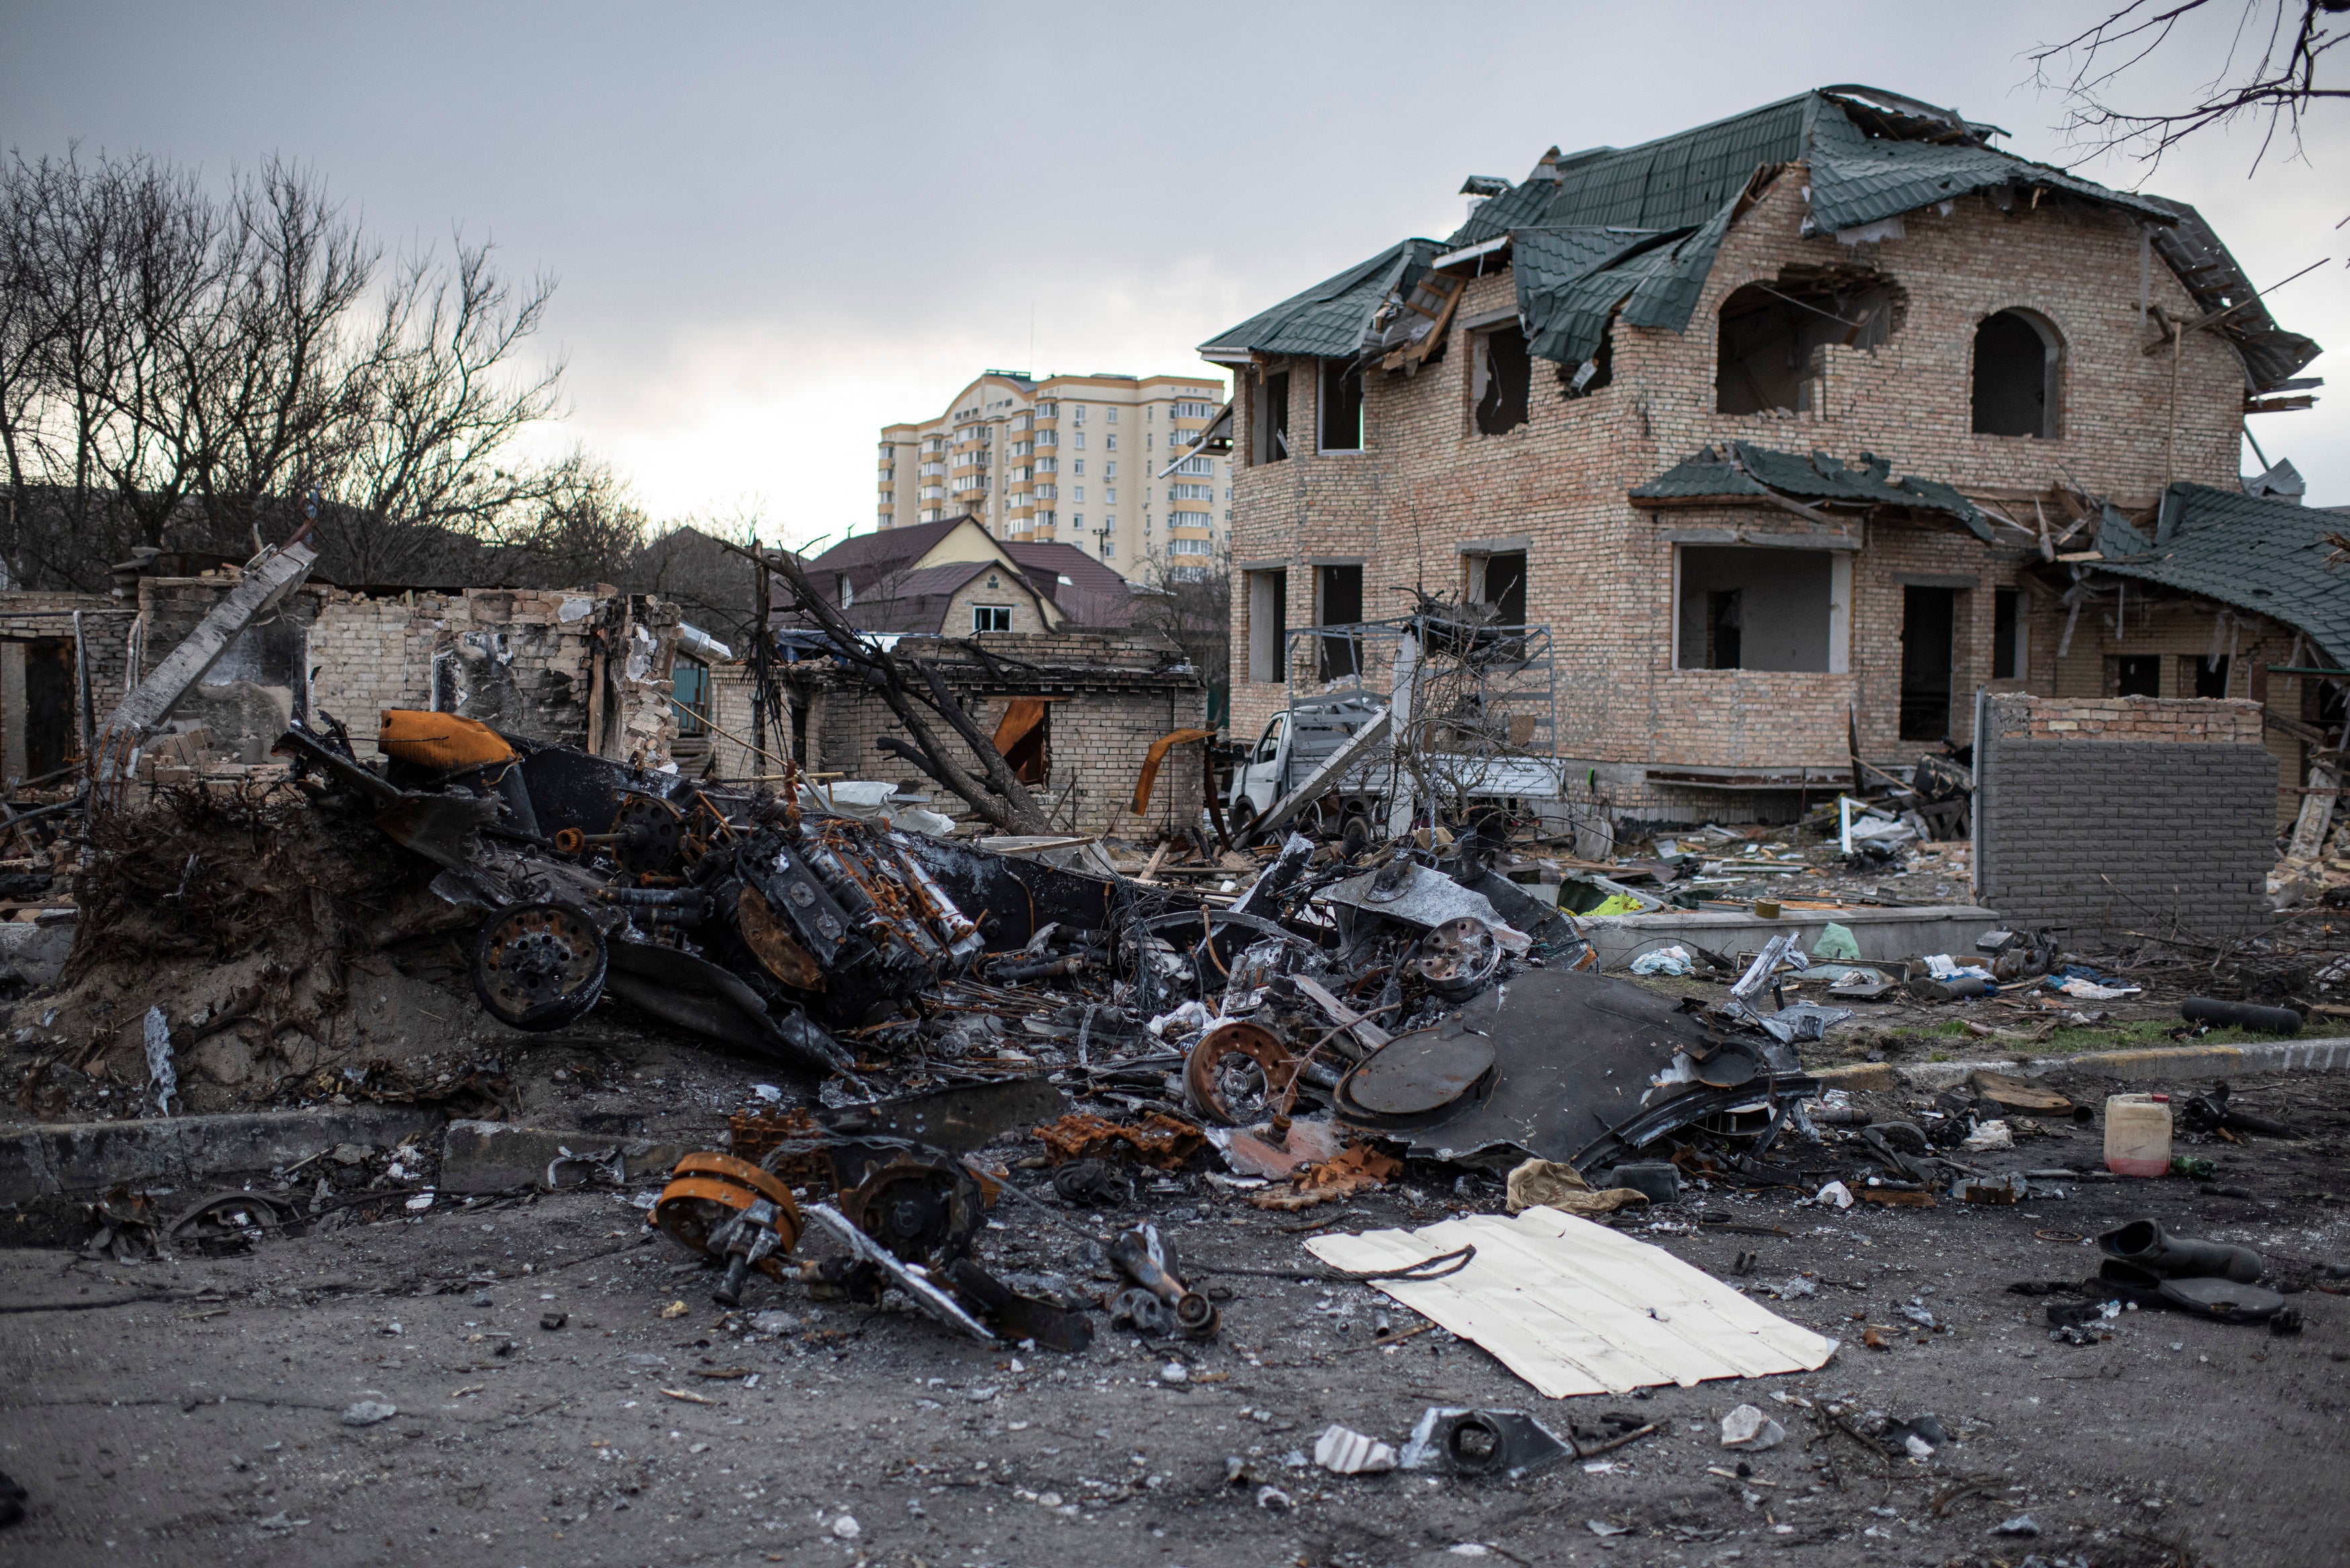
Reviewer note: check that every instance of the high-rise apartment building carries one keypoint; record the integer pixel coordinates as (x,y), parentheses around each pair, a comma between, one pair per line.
(1076,460)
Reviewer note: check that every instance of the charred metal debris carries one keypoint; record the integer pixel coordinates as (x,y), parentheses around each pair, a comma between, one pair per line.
(976,1013)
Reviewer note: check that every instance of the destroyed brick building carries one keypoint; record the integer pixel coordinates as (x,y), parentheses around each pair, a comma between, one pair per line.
(1794,430)
(589,666)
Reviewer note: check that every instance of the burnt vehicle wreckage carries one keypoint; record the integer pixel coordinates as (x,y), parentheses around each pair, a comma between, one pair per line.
(1402,995)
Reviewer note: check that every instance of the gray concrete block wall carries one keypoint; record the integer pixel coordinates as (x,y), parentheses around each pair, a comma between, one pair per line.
(2114,836)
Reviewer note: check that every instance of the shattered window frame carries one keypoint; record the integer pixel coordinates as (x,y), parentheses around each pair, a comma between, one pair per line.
(990,617)
(1501,395)
(1808,310)
(690,691)
(1271,418)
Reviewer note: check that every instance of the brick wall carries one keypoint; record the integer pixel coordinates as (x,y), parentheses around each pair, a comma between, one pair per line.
(1600,570)
(2198,720)
(2152,816)
(48,618)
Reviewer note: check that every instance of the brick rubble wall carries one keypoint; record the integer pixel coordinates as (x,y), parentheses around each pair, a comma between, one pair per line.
(2203,720)
(2114,834)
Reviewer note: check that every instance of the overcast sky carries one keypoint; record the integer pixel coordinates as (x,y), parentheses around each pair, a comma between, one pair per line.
(779,228)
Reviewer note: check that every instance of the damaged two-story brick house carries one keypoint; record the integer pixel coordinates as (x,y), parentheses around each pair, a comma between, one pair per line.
(1796,430)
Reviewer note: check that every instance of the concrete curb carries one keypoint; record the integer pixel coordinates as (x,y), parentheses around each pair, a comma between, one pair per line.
(2169,1062)
(83,1157)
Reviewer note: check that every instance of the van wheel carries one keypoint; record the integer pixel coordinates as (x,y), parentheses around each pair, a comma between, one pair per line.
(1240,818)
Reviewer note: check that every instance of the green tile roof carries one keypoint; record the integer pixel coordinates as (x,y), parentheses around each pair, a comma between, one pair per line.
(1636,229)
(1676,181)
(1328,320)
(2258,554)
(1738,469)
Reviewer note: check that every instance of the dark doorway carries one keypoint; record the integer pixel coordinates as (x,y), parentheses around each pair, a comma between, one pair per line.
(1340,592)
(2003,607)
(2210,676)
(1505,588)
(1929,616)
(2138,675)
(1725,621)
(48,705)
(1342,406)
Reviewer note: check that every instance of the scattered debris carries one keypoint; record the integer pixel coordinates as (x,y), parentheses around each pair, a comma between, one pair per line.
(1748,1427)
(1350,1453)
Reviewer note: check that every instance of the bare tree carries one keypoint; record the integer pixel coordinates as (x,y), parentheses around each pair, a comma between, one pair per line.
(181,368)
(2268,71)
(1190,598)
(916,690)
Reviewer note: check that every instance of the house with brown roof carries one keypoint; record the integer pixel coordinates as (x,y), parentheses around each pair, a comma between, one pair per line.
(953,579)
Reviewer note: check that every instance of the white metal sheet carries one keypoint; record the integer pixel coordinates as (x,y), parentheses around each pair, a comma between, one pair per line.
(1573,1307)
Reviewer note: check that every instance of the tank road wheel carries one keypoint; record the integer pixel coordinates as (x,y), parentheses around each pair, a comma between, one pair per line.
(538,966)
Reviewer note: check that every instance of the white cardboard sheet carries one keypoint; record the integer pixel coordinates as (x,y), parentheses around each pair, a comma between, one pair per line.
(1575,1308)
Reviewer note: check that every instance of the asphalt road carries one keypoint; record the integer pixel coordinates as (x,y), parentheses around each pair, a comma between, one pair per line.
(193,1412)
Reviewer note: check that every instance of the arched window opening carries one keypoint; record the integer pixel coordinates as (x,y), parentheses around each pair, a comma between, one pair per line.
(2016,360)
(1772,351)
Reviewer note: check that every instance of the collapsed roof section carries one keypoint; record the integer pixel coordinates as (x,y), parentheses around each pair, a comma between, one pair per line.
(2270,557)
(1330,320)
(1635,230)
(1739,473)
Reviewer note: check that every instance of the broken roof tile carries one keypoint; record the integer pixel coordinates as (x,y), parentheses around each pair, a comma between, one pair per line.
(1740,470)
(1872,155)
(2258,554)
(1331,319)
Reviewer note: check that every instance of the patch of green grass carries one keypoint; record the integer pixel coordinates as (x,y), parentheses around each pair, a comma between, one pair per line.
(2139,1033)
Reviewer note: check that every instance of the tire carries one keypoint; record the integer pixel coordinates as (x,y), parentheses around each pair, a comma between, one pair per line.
(1241,817)
(538,966)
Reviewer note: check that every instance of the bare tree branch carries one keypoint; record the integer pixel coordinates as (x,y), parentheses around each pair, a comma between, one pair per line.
(2270,68)
(1001,798)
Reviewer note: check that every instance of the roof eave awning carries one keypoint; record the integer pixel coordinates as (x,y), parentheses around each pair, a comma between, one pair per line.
(1222,425)
(1497,247)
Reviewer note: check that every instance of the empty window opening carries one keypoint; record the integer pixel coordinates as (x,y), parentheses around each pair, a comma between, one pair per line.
(1024,736)
(2007,659)
(1504,375)
(2134,675)
(1582,380)
(2016,360)
(1342,406)
(1273,417)
(991,617)
(1500,581)
(2205,677)
(1772,349)
(1929,618)
(1763,608)
(1340,591)
(1268,606)
(690,692)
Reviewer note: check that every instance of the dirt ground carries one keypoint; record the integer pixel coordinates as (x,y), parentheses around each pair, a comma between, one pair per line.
(202,1417)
